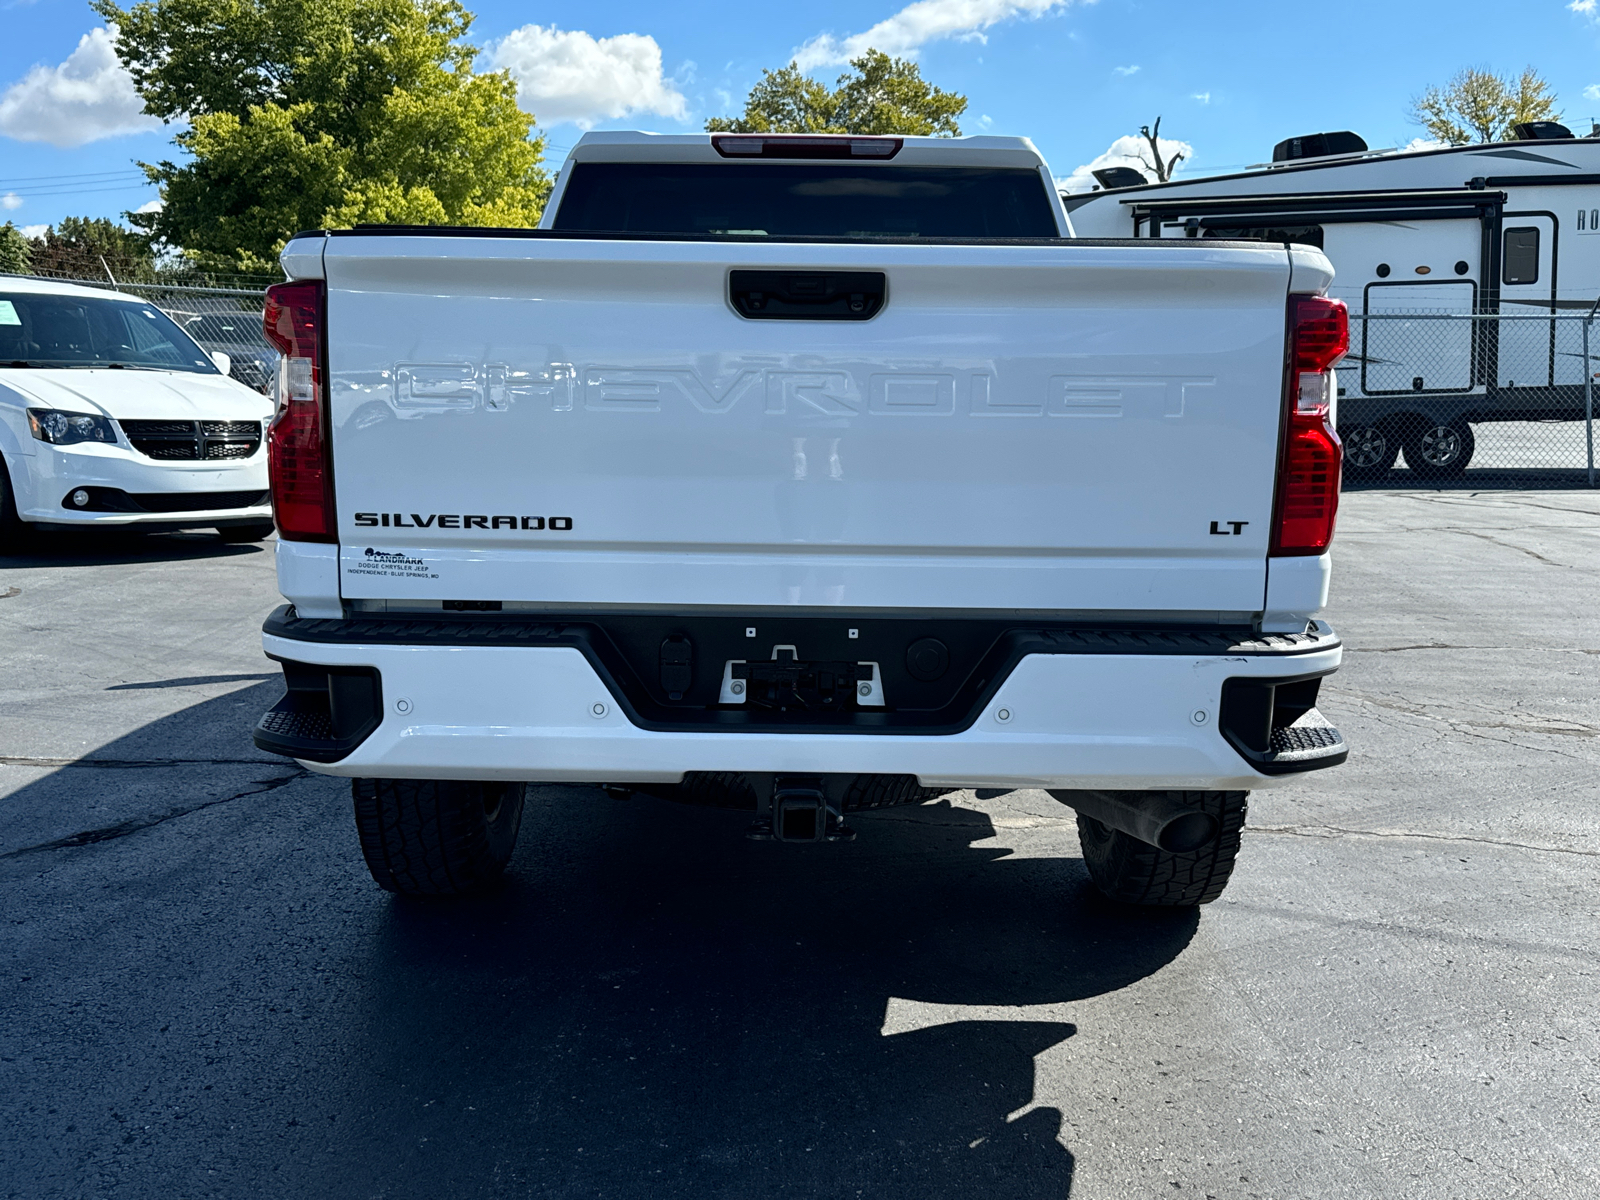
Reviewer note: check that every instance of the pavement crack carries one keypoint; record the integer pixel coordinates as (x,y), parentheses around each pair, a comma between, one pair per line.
(1513,546)
(1489,500)
(109,833)
(123,764)
(193,681)
(1330,831)
(1452,646)
(1552,727)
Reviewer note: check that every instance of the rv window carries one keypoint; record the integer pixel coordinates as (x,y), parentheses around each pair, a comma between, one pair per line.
(1298,235)
(1521,256)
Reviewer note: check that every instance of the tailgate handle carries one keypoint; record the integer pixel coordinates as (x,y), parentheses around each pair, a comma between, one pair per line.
(807,295)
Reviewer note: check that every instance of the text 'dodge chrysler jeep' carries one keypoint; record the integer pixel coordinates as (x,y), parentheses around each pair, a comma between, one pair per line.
(803,475)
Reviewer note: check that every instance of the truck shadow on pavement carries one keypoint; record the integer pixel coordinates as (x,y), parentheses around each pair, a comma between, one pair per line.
(650,1006)
(95,548)
(655,1006)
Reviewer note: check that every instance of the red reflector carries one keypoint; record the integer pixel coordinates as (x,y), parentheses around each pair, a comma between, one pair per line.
(297,458)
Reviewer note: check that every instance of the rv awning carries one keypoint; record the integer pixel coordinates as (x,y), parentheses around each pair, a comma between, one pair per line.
(1476,198)
(1316,208)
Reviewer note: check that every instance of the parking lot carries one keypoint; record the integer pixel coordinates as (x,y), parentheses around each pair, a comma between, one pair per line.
(203,994)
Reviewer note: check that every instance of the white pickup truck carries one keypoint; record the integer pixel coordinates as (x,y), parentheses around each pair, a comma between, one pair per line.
(803,475)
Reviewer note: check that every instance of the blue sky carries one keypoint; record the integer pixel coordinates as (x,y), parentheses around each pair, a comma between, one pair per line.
(1229,80)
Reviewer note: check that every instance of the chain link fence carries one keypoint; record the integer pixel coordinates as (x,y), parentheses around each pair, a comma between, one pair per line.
(1469,400)
(217,315)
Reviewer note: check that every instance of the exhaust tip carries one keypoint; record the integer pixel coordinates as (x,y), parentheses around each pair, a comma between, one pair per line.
(1187,832)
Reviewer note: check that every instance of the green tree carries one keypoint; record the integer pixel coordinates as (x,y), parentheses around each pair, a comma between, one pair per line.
(308,113)
(15,250)
(879,95)
(93,248)
(1480,106)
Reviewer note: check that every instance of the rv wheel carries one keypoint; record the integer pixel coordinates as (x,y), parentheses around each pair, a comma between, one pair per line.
(1440,451)
(1369,451)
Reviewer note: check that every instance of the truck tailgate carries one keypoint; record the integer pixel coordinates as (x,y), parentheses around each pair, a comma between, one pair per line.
(1042,427)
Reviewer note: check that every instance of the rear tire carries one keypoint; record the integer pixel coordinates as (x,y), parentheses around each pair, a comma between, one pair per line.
(1135,872)
(424,837)
(258,532)
(888,791)
(1440,451)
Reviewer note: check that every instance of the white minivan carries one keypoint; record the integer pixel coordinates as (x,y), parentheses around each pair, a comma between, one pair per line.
(111,415)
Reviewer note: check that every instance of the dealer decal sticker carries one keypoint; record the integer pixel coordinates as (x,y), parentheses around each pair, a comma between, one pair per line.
(390,564)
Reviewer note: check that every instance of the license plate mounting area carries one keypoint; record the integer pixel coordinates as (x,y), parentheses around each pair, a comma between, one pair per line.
(789,683)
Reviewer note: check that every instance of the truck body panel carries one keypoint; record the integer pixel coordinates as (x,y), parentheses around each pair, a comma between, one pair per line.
(700,479)
(1048,426)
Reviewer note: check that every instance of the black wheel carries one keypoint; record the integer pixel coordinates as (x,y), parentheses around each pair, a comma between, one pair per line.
(712,789)
(1135,872)
(424,837)
(12,530)
(259,532)
(1437,451)
(1369,451)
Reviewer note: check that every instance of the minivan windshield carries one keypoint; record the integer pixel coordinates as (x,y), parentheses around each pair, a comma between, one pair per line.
(38,329)
(819,199)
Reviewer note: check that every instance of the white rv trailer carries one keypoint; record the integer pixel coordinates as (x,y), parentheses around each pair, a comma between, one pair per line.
(1502,229)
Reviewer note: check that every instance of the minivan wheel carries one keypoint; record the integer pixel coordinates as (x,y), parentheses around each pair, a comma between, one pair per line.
(1440,451)
(1369,451)
(425,837)
(260,531)
(1135,872)
(12,530)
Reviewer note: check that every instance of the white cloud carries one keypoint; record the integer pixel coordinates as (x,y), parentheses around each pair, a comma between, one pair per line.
(567,75)
(1124,152)
(917,24)
(33,231)
(1422,143)
(1592,92)
(1203,97)
(986,122)
(1586,7)
(10,201)
(150,206)
(1133,70)
(84,99)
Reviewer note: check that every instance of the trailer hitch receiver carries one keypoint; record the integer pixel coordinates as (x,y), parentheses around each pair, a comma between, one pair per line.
(799,811)
(800,808)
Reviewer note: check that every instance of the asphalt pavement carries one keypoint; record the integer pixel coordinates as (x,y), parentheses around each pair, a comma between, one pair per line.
(203,994)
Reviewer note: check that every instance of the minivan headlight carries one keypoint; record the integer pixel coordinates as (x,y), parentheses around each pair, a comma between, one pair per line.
(64,428)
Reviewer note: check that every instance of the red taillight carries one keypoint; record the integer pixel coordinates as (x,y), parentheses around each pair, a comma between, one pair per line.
(1321,332)
(297,449)
(1308,477)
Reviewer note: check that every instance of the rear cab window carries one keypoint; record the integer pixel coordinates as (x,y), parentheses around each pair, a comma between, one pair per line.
(830,200)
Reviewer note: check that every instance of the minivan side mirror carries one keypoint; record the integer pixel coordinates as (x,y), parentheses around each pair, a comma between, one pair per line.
(224,363)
